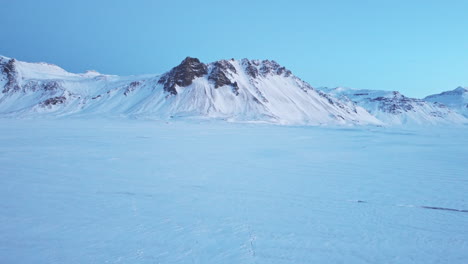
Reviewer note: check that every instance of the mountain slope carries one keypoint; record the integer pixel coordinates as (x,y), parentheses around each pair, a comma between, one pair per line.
(246,90)
(391,107)
(456,99)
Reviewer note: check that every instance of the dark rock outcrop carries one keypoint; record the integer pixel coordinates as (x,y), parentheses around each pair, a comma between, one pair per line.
(8,68)
(396,104)
(183,75)
(283,70)
(54,101)
(272,67)
(219,73)
(268,67)
(254,68)
(132,87)
(250,68)
(52,86)
(235,88)
(35,85)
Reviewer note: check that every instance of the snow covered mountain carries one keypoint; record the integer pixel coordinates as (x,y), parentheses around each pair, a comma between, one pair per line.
(245,90)
(456,99)
(236,90)
(393,108)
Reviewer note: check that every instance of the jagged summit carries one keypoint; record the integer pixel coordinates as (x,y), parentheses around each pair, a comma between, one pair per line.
(183,74)
(217,72)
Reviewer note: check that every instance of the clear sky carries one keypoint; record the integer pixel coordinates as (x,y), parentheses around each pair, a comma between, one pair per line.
(416,46)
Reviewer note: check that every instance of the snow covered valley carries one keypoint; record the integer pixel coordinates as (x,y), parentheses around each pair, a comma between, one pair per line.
(136,191)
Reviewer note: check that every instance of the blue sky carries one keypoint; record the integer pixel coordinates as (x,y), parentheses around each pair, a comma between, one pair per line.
(417,47)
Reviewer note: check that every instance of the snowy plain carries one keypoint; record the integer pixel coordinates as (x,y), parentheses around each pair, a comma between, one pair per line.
(135,191)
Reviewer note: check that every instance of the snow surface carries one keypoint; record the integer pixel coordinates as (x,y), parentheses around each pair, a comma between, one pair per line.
(132,191)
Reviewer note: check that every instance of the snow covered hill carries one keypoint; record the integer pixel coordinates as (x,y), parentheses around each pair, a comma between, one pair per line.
(456,99)
(393,108)
(246,90)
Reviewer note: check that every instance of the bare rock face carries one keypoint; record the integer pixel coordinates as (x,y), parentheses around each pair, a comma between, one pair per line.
(272,67)
(183,75)
(219,73)
(254,68)
(132,87)
(191,68)
(48,86)
(396,104)
(54,101)
(283,71)
(250,68)
(235,88)
(9,70)
(52,86)
(268,67)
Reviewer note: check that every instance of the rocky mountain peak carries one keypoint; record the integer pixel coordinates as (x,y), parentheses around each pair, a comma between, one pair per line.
(183,74)
(250,68)
(220,71)
(395,103)
(255,68)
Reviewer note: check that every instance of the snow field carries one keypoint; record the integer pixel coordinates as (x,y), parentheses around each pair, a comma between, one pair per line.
(133,191)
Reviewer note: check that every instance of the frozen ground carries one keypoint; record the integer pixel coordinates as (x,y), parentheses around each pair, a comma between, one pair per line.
(105,191)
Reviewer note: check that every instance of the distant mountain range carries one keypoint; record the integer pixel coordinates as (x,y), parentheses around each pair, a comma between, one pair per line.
(391,107)
(235,90)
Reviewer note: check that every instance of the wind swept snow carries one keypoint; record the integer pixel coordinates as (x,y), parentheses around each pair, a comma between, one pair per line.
(103,191)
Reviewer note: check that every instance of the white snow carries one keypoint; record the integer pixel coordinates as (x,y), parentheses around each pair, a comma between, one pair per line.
(134,191)
(41,70)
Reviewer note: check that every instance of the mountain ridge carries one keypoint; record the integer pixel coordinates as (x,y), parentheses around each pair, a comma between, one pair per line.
(235,90)
(456,99)
(392,107)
